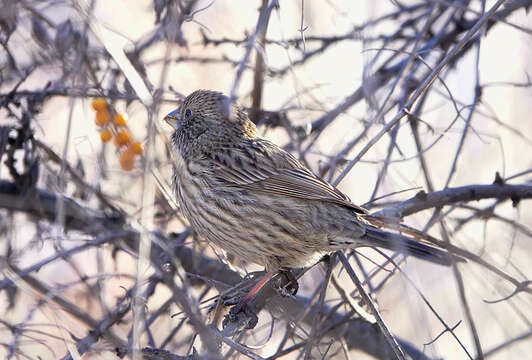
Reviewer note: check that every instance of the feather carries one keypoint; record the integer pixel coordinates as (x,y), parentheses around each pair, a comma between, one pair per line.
(280,174)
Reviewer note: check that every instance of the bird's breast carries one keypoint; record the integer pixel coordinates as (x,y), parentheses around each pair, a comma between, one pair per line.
(179,162)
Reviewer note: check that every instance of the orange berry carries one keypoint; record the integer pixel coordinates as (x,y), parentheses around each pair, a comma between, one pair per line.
(102,117)
(135,147)
(99,104)
(127,160)
(123,137)
(119,120)
(106,135)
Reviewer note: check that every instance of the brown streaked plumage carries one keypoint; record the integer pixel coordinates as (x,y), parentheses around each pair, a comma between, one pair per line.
(255,200)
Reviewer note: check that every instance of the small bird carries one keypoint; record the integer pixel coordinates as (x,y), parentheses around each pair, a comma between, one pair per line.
(255,200)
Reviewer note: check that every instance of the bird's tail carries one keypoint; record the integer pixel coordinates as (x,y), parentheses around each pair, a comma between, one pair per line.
(397,242)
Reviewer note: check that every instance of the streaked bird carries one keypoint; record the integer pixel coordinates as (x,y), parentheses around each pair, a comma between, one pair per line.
(253,199)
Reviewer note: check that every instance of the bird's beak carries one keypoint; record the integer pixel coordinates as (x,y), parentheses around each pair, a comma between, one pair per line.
(172,119)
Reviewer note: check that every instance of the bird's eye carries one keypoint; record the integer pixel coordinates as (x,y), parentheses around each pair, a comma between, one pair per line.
(188,113)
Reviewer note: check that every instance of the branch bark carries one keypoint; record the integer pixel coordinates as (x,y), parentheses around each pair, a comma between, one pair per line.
(423,201)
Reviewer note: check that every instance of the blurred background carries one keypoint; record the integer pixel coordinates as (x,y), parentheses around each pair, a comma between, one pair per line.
(85,180)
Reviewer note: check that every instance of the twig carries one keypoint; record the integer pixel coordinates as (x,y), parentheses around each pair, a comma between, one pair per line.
(258,74)
(421,89)
(43,204)
(422,200)
(392,342)
(507,343)
(317,316)
(261,22)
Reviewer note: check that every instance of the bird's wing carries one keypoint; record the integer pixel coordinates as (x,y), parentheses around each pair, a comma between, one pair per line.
(276,172)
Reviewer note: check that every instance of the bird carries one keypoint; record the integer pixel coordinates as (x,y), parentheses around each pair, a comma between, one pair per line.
(253,199)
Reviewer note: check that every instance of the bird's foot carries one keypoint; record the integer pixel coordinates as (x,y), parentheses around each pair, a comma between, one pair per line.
(230,301)
(241,290)
(241,313)
(286,283)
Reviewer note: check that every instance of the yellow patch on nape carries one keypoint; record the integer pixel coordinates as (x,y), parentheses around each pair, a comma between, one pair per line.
(250,129)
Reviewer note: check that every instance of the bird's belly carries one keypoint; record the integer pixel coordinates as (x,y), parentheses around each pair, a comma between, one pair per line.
(248,226)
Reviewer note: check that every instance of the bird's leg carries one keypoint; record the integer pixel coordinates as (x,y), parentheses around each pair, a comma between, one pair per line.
(242,305)
(290,289)
(255,289)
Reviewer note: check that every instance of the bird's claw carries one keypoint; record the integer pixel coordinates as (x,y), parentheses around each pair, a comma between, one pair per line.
(241,312)
(230,301)
(290,288)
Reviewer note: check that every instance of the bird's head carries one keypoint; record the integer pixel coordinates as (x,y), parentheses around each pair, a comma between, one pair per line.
(210,113)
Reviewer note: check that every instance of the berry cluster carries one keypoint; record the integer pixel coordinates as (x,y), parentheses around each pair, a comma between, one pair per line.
(117,128)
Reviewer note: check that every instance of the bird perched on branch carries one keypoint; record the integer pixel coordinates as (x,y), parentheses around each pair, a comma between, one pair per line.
(253,199)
